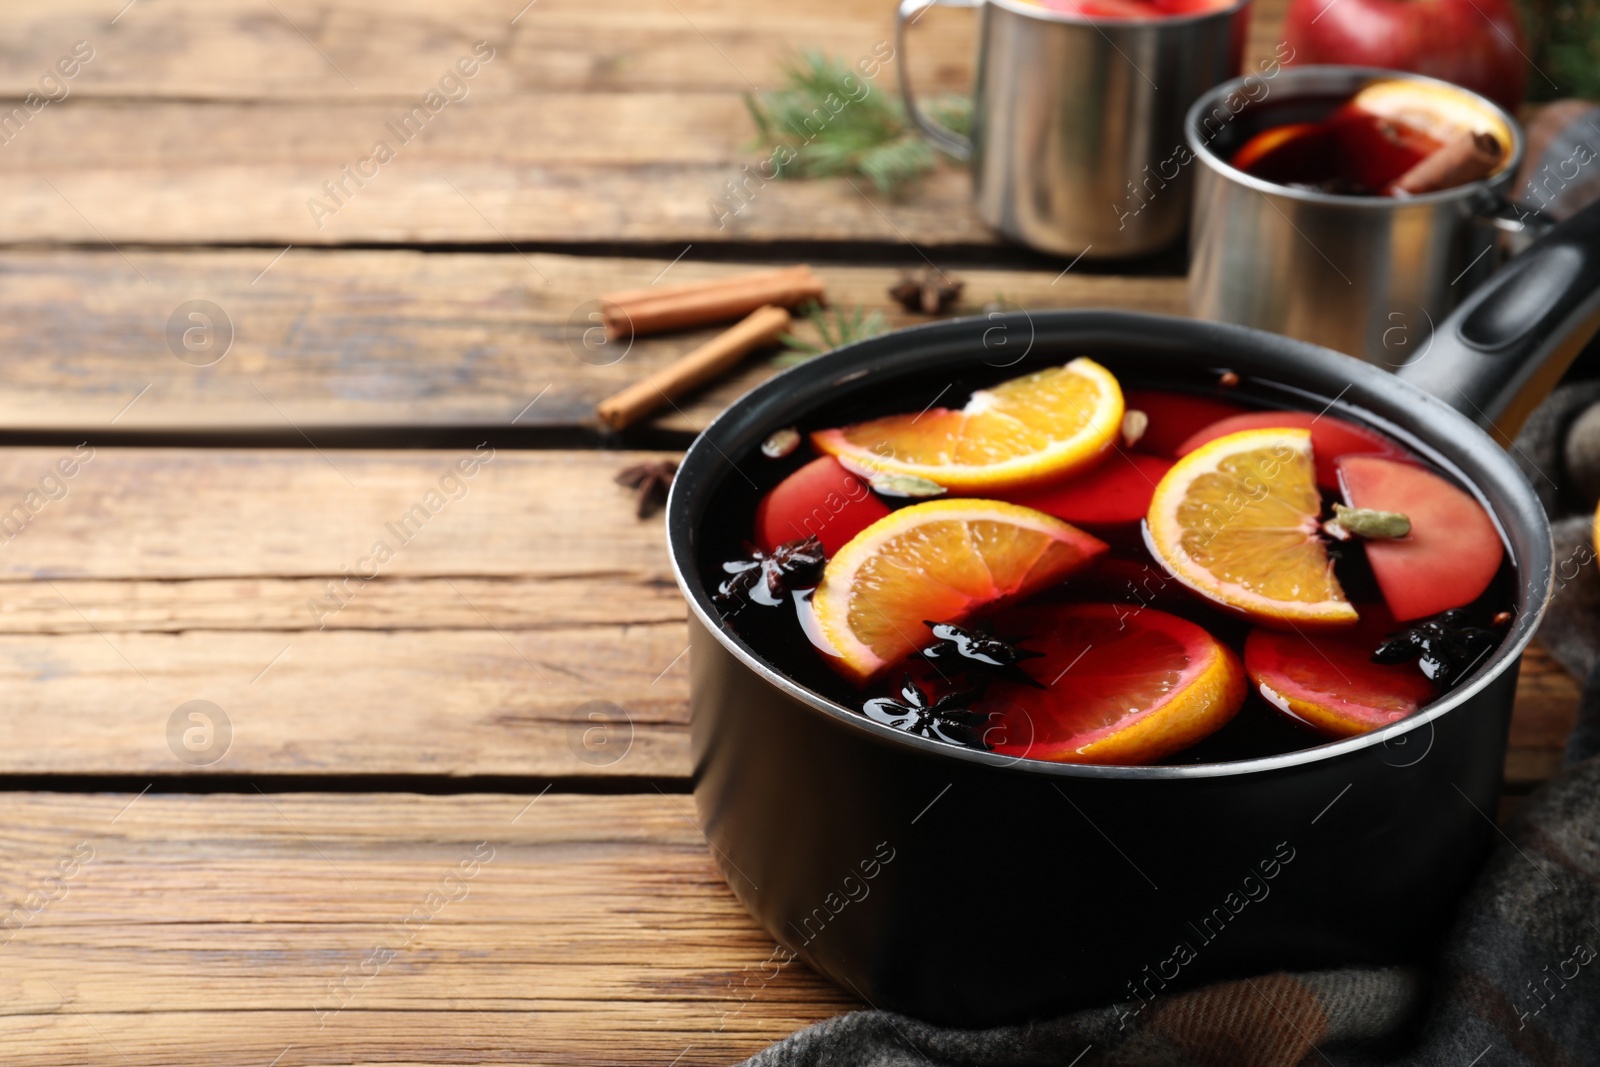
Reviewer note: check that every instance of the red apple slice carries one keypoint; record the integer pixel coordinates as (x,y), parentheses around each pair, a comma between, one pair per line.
(1117,490)
(1174,417)
(1452,552)
(1328,680)
(821,498)
(1330,438)
(1372,149)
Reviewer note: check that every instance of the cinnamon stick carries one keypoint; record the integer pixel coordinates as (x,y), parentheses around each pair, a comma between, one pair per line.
(711,359)
(1456,162)
(636,312)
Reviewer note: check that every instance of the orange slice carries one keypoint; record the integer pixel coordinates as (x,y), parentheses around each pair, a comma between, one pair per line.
(1329,681)
(1123,684)
(1443,112)
(1029,429)
(942,560)
(1237,521)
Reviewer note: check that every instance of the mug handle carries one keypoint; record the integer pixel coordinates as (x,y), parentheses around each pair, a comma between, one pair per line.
(1516,225)
(1502,351)
(907,14)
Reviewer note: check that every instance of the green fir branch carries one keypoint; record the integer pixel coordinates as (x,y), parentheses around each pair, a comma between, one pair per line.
(836,328)
(1563,42)
(833,123)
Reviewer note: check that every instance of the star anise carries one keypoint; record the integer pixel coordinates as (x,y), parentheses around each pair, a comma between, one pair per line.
(765,577)
(652,480)
(1446,646)
(928,290)
(946,719)
(978,650)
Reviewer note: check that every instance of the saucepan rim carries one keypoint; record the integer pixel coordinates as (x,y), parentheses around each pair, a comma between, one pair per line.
(852,362)
(1500,179)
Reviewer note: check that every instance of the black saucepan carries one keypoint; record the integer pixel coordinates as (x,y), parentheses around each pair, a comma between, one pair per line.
(969,888)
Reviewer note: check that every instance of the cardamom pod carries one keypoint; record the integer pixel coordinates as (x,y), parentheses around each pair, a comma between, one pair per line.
(906,485)
(1370,524)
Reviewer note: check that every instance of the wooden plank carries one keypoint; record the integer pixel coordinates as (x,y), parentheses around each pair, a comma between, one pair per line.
(251,49)
(229,928)
(325,339)
(1546,707)
(174,514)
(582,164)
(180,575)
(583,168)
(479,648)
(562,702)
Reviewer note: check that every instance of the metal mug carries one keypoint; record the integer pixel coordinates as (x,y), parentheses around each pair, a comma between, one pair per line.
(1366,275)
(1073,120)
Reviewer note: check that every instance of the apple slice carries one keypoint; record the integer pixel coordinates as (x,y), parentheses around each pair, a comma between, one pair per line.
(1374,150)
(1116,491)
(1174,417)
(821,498)
(1330,438)
(1452,552)
(1393,123)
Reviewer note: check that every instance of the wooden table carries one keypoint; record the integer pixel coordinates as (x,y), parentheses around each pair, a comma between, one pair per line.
(398,840)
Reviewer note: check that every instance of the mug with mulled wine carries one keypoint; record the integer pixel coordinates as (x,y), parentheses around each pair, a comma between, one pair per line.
(1077,140)
(1351,207)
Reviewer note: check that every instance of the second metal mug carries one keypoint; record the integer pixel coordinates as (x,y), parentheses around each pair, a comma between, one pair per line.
(1073,120)
(1367,275)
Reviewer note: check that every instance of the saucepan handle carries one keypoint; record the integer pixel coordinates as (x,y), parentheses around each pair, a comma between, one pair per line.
(1502,351)
(908,13)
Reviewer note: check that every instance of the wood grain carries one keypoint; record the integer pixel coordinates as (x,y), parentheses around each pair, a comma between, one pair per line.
(252,49)
(404,340)
(165,576)
(241,513)
(229,928)
(542,151)
(1546,707)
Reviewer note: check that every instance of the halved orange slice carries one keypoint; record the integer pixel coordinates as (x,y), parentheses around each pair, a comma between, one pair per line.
(1329,681)
(1237,521)
(942,560)
(1029,429)
(1442,112)
(1123,684)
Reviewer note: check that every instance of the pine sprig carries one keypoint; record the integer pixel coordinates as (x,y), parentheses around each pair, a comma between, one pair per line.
(1564,45)
(837,123)
(844,328)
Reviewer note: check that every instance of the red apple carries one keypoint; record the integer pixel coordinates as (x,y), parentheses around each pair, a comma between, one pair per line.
(1477,44)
